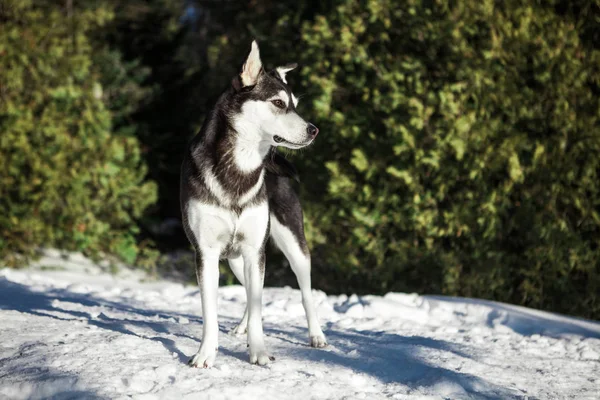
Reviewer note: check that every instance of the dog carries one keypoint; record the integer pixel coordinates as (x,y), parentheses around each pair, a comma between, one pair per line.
(236,191)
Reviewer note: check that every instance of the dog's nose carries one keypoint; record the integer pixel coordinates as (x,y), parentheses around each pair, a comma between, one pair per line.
(312,130)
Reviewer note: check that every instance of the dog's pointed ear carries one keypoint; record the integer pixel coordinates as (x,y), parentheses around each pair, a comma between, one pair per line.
(252,67)
(281,71)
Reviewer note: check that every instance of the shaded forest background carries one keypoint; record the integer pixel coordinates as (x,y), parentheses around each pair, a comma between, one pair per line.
(459,154)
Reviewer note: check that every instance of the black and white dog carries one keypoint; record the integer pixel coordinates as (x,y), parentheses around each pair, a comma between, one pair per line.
(236,191)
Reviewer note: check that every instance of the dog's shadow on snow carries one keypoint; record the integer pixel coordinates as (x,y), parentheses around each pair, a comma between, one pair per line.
(14,296)
(394,358)
(388,357)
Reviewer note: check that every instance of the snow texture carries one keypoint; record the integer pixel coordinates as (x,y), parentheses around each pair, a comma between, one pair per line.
(79,332)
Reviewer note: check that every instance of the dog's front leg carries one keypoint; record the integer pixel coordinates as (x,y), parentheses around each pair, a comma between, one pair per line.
(254,273)
(207,273)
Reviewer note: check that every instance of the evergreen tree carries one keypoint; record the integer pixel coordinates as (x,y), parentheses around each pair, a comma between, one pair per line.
(68,181)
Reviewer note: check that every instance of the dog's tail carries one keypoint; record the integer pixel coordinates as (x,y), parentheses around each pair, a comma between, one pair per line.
(277,164)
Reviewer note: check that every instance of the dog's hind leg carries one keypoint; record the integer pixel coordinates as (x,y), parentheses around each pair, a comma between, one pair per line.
(237,267)
(290,239)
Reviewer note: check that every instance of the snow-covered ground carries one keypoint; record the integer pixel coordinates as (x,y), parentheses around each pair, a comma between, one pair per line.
(79,332)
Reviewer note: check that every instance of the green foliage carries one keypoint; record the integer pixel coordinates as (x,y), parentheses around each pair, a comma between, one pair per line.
(67,180)
(461,142)
(458,142)
(458,152)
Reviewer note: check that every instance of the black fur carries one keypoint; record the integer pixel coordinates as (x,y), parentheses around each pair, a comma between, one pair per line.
(209,149)
(277,164)
(284,204)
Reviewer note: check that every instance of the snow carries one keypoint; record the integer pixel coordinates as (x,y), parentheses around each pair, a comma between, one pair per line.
(76,331)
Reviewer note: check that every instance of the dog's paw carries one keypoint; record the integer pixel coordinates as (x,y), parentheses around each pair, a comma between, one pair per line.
(239,330)
(261,358)
(318,340)
(204,358)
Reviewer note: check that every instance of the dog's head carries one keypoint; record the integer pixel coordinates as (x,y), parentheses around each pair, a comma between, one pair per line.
(267,106)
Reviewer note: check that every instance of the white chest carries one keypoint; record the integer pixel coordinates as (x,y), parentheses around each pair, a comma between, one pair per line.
(218,229)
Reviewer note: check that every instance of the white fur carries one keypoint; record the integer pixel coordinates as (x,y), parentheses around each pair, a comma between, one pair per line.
(281,74)
(214,228)
(260,121)
(209,284)
(237,267)
(253,225)
(249,150)
(281,71)
(300,263)
(295,100)
(209,225)
(254,285)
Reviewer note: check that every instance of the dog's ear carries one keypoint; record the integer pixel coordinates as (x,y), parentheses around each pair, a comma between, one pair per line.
(281,71)
(252,67)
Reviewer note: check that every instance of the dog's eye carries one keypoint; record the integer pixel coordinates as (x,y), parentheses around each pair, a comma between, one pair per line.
(279,103)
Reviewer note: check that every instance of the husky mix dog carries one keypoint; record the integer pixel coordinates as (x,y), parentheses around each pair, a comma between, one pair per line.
(236,191)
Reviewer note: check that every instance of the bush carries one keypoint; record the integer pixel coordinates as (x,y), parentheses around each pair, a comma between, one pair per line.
(461,142)
(458,151)
(67,181)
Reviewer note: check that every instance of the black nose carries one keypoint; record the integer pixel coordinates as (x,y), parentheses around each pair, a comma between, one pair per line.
(312,130)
